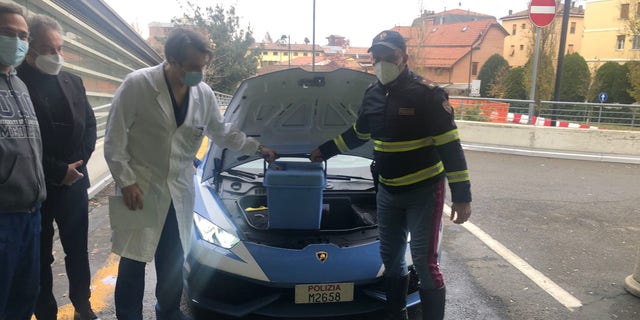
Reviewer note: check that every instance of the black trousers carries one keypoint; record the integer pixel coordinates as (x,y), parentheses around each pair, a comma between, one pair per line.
(69,208)
(169,260)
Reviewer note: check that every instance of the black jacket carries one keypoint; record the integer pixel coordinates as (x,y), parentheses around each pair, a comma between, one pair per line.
(415,137)
(61,147)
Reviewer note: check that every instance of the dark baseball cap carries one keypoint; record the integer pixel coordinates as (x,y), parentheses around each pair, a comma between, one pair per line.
(389,39)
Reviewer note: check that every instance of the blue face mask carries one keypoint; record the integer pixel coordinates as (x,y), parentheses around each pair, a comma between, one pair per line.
(192,78)
(12,50)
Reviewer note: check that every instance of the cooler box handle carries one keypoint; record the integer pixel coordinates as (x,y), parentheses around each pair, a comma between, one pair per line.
(293,155)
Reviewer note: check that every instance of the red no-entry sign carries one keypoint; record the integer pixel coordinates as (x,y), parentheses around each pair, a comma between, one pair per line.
(542,12)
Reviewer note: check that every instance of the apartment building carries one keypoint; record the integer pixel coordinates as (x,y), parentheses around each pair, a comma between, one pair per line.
(519,44)
(283,53)
(611,32)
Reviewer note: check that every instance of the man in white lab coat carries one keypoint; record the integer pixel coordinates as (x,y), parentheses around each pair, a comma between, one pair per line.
(157,120)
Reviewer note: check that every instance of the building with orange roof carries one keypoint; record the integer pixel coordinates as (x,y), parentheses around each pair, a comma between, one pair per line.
(452,54)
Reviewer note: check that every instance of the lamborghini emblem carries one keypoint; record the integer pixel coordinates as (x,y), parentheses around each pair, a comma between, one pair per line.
(322,256)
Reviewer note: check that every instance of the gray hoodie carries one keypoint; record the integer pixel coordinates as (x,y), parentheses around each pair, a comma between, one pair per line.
(22,184)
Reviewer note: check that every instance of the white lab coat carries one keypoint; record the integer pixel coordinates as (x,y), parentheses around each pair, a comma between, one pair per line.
(143,145)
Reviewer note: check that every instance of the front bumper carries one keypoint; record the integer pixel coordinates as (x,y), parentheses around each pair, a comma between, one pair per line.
(232,295)
(235,284)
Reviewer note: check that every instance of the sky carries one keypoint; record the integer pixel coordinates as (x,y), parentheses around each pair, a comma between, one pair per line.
(357,20)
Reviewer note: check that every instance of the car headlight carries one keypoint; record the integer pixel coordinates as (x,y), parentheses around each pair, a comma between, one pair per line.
(213,234)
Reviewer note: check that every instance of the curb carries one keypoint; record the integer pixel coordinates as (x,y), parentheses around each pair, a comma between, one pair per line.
(96,188)
(521,151)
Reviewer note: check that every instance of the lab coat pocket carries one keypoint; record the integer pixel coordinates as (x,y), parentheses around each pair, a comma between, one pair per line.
(122,218)
(193,137)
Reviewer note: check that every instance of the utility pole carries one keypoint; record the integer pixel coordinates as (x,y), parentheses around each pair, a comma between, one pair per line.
(563,43)
(313,50)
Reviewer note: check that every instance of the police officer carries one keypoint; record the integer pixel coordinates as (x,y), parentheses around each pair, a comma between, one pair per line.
(416,145)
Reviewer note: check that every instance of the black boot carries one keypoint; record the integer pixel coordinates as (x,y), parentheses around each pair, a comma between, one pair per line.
(396,292)
(432,303)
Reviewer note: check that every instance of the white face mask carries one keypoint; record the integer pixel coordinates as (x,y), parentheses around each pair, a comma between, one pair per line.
(49,63)
(386,71)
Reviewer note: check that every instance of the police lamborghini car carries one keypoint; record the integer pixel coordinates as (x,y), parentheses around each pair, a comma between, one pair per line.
(291,238)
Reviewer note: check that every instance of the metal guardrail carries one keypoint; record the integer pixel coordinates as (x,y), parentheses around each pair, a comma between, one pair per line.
(223,98)
(612,115)
(606,115)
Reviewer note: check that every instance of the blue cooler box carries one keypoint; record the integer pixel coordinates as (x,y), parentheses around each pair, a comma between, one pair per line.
(294,194)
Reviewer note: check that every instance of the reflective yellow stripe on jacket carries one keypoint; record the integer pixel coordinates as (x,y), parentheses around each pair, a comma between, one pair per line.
(402,146)
(446,137)
(415,177)
(458,176)
(342,146)
(361,136)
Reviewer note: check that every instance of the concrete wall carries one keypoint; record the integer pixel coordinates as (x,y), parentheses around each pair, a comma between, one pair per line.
(551,138)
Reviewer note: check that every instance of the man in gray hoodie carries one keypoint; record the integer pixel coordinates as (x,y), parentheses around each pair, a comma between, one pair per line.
(22,186)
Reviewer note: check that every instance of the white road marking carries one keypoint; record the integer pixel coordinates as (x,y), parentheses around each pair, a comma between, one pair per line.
(561,295)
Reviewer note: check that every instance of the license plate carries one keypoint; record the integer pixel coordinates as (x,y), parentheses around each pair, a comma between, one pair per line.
(324,292)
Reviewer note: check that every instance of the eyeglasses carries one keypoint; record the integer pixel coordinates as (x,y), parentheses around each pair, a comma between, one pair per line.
(24,36)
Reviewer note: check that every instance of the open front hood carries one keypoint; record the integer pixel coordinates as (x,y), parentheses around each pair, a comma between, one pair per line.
(293,111)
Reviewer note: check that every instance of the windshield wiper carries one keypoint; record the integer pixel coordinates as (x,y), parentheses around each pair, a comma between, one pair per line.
(244,174)
(346,177)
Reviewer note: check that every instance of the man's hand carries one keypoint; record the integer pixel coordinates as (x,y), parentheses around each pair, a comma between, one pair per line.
(133,197)
(73,174)
(268,154)
(316,156)
(460,212)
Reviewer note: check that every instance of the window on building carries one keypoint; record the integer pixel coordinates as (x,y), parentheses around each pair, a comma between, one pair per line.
(620,43)
(570,49)
(304,54)
(317,54)
(523,26)
(521,47)
(295,54)
(572,29)
(265,53)
(513,30)
(275,53)
(624,11)
(636,42)
(474,69)
(637,9)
